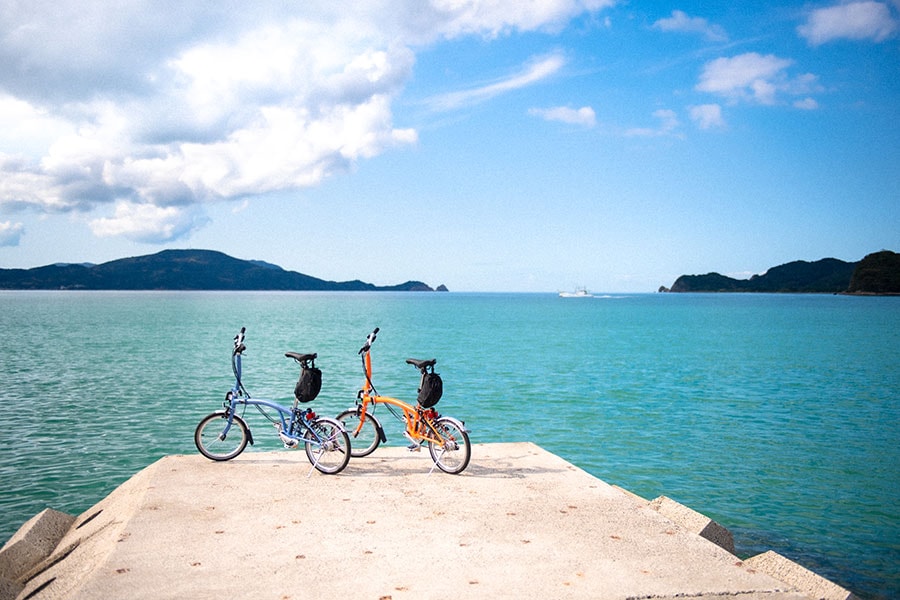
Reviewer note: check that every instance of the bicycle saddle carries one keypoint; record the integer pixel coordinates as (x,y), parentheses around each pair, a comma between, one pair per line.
(301,357)
(421,364)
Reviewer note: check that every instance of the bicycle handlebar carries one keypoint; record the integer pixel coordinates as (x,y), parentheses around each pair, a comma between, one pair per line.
(370,339)
(239,341)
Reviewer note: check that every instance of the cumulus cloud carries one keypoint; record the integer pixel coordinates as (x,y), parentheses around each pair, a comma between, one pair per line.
(147,114)
(865,20)
(575,116)
(11,233)
(27,128)
(148,223)
(707,116)
(680,22)
(668,123)
(754,77)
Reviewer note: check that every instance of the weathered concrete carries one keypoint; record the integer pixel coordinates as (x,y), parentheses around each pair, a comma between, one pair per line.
(693,521)
(786,570)
(518,523)
(34,541)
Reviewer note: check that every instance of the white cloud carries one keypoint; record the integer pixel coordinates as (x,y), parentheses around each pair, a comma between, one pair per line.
(707,116)
(682,23)
(754,77)
(668,123)
(157,111)
(537,70)
(581,116)
(25,184)
(735,77)
(26,128)
(275,107)
(11,233)
(865,20)
(148,223)
(495,17)
(806,104)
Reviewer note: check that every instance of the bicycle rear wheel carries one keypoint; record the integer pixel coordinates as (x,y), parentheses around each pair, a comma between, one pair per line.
(368,438)
(331,452)
(453,454)
(214,443)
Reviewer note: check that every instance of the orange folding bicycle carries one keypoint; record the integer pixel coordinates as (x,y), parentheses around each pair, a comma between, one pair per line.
(446,437)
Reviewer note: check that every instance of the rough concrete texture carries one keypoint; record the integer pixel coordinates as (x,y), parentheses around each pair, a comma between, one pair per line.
(695,522)
(518,523)
(786,570)
(34,541)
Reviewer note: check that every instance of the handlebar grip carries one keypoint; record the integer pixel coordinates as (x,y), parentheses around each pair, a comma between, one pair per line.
(369,339)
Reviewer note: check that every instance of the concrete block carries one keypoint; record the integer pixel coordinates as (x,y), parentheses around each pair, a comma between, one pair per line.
(694,522)
(785,570)
(33,542)
(9,589)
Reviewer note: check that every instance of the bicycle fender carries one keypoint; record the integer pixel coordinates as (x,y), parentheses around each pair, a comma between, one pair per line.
(380,431)
(378,428)
(249,433)
(457,422)
(247,427)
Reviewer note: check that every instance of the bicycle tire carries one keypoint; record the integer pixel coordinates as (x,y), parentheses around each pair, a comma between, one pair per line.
(333,453)
(209,439)
(453,455)
(368,438)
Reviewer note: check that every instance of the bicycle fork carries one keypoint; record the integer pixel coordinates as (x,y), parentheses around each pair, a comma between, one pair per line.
(232,416)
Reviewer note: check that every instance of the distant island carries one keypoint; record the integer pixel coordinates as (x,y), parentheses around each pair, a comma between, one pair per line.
(876,274)
(184,270)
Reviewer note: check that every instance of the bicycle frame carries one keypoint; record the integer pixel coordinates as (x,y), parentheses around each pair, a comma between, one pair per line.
(447,438)
(419,422)
(291,432)
(224,434)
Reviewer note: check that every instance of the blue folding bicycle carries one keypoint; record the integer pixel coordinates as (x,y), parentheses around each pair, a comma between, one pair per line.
(224,434)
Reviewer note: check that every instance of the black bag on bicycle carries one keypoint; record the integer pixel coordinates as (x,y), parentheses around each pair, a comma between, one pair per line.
(309,384)
(431,391)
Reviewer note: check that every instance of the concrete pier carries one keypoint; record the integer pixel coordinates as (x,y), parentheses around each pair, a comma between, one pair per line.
(519,523)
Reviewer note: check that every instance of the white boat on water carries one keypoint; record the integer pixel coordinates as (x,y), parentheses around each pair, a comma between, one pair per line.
(579,293)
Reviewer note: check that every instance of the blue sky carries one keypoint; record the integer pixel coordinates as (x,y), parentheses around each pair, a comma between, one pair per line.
(487,145)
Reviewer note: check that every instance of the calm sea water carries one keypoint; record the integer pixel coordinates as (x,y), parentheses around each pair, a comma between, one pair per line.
(776,415)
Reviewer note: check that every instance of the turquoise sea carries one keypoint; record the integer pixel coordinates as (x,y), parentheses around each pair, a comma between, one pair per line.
(776,415)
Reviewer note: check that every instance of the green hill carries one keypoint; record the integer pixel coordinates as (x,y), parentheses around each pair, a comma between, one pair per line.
(877,273)
(181,270)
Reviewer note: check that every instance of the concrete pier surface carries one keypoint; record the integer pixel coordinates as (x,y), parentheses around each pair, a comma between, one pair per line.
(520,523)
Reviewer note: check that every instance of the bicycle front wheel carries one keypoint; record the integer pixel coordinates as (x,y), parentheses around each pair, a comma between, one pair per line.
(214,443)
(365,442)
(330,453)
(454,452)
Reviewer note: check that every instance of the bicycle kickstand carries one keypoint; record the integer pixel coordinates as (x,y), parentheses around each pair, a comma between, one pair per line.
(313,467)
(436,462)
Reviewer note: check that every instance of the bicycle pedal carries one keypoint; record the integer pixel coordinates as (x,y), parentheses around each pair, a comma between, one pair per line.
(414,446)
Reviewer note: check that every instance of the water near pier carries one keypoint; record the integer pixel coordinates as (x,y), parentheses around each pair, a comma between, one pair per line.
(778,416)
